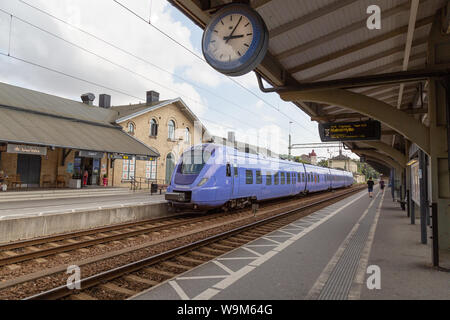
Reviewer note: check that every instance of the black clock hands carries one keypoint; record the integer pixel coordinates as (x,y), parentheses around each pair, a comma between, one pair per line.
(231,34)
(233,37)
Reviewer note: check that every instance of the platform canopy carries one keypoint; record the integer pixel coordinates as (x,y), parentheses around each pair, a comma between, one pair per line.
(34,118)
(325,59)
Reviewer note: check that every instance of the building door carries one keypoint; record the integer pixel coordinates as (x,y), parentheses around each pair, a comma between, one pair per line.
(170,166)
(29,168)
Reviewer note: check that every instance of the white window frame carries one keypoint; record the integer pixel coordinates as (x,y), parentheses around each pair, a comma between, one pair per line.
(151,169)
(171,134)
(128,169)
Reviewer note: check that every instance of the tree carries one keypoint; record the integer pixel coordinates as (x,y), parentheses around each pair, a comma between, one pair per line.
(323,163)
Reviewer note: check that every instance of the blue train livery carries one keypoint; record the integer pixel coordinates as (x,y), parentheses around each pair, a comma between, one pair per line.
(210,176)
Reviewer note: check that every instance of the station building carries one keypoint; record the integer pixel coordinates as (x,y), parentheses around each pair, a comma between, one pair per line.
(169,127)
(49,141)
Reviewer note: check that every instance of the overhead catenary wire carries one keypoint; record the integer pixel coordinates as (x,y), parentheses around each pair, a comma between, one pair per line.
(160,68)
(129,70)
(97,84)
(203,60)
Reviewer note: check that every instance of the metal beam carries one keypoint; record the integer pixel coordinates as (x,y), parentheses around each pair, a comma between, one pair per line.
(380,157)
(376,109)
(336,34)
(365,81)
(357,47)
(366,60)
(408,47)
(399,157)
(330,8)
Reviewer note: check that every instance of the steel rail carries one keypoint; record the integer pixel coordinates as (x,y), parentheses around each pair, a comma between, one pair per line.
(87,243)
(63,291)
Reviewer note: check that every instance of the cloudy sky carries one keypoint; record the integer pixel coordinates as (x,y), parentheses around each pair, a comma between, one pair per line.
(141,58)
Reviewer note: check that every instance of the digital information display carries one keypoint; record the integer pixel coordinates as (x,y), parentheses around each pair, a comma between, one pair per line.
(350,131)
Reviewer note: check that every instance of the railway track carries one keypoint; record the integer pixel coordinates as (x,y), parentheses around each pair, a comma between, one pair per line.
(124,281)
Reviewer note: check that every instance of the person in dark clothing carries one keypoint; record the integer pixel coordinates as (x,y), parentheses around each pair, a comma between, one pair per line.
(370,184)
(381,184)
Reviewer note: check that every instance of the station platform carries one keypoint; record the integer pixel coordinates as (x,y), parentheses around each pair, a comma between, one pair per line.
(45,216)
(324,256)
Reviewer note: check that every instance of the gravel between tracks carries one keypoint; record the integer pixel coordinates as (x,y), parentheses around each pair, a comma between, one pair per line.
(170,240)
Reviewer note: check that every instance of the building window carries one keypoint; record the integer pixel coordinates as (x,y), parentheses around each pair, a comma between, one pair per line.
(128,169)
(131,128)
(153,128)
(171,129)
(150,169)
(248,176)
(187,136)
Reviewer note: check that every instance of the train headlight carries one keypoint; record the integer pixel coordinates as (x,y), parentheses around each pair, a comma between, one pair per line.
(202,182)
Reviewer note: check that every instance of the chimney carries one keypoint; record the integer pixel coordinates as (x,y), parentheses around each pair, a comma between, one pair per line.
(88,98)
(152,96)
(104,101)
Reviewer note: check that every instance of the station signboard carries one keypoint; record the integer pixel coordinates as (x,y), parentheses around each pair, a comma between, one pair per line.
(25,149)
(350,131)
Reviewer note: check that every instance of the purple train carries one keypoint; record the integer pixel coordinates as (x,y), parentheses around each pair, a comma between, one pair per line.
(210,176)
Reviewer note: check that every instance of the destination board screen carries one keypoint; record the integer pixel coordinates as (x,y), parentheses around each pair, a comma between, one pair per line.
(350,131)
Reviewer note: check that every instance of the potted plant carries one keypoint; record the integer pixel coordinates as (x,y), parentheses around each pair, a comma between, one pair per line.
(105,180)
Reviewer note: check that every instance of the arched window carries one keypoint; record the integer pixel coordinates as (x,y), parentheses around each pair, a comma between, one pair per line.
(171,128)
(131,128)
(153,128)
(187,136)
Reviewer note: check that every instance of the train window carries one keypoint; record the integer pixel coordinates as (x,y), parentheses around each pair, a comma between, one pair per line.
(303,177)
(248,176)
(276,178)
(294,176)
(318,178)
(288,176)
(283,178)
(228,170)
(299,176)
(268,178)
(235,171)
(258,177)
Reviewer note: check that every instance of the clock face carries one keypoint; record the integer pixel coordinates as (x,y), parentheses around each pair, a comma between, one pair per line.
(231,38)
(235,40)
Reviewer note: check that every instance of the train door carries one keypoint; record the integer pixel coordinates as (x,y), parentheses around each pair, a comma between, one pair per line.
(235,180)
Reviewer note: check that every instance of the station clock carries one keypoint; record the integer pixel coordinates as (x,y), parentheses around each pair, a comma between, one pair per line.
(236,40)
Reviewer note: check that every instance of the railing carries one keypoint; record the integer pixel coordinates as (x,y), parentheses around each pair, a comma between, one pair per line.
(142,183)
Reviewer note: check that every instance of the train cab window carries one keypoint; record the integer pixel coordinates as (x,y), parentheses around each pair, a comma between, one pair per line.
(268,178)
(276,178)
(258,177)
(228,170)
(288,176)
(283,178)
(249,176)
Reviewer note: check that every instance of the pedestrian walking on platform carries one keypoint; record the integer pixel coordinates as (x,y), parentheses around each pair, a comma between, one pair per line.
(382,184)
(370,184)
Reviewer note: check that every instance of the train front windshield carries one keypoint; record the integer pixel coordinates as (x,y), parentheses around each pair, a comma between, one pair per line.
(194,160)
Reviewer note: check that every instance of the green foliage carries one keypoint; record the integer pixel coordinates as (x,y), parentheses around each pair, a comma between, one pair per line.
(323,163)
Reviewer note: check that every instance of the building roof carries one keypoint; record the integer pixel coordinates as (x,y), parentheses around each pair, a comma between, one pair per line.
(340,157)
(32,117)
(128,110)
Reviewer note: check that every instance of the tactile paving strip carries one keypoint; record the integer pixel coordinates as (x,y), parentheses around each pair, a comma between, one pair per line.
(338,284)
